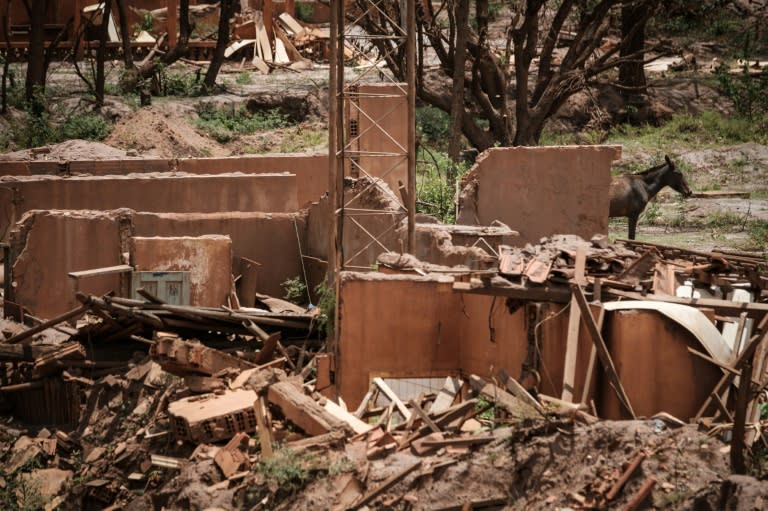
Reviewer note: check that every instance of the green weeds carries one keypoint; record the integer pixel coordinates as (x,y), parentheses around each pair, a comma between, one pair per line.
(226,123)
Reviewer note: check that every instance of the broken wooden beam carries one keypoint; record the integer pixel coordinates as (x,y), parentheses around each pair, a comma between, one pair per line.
(392,397)
(391,481)
(26,334)
(302,410)
(630,470)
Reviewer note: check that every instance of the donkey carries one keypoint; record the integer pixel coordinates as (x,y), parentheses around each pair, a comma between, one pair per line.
(629,194)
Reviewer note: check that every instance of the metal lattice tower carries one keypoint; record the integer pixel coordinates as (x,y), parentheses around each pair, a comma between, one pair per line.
(351,159)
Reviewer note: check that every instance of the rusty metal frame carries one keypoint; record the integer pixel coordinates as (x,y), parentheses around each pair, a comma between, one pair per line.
(344,152)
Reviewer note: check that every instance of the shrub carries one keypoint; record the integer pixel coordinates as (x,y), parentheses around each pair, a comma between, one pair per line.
(86,126)
(226,123)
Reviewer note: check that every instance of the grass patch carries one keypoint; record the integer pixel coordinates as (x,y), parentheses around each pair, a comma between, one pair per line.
(225,124)
(705,130)
(436,178)
(301,139)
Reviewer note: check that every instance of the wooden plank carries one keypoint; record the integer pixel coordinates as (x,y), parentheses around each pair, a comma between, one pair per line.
(266,46)
(248,283)
(571,351)
(353,422)
(422,414)
(43,326)
(364,403)
(281,54)
(726,379)
(392,397)
(592,361)
(263,427)
(302,410)
(518,391)
(581,263)
(546,293)
(500,397)
(454,442)
(602,350)
(743,397)
(446,396)
(97,272)
(293,25)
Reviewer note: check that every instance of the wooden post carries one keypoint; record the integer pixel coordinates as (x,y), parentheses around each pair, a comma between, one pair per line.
(172,22)
(268,14)
(602,350)
(77,27)
(571,350)
(264,428)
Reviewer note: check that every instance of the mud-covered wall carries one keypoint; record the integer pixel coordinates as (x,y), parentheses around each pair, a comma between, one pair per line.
(157,192)
(311,170)
(540,191)
(652,359)
(49,244)
(401,326)
(269,239)
(208,259)
(377,121)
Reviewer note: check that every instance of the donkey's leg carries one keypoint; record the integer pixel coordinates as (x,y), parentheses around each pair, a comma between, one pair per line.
(632,226)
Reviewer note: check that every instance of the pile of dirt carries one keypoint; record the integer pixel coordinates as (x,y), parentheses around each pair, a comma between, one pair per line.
(163,132)
(69,150)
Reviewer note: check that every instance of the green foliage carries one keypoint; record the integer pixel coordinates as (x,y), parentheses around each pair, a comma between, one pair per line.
(295,290)
(489,409)
(434,126)
(749,93)
(651,213)
(147,22)
(244,78)
(226,123)
(758,238)
(326,303)
(86,126)
(287,470)
(305,11)
(21,492)
(707,129)
(301,140)
(436,177)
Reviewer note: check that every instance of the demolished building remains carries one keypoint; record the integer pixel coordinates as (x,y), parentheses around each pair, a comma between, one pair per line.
(147,364)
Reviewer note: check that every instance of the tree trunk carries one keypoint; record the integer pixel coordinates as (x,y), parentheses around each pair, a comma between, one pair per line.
(101,54)
(632,73)
(221,45)
(6,62)
(36,66)
(182,45)
(125,37)
(457,97)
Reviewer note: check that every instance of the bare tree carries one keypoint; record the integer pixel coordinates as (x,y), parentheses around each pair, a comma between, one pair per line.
(36,64)
(102,53)
(226,9)
(508,97)
(461,8)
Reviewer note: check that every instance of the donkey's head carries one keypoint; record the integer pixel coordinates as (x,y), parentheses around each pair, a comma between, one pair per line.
(676,179)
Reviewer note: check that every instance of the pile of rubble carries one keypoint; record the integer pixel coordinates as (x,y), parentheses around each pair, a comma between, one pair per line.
(148,405)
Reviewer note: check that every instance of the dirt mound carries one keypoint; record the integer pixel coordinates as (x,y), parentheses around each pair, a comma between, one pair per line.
(163,132)
(68,151)
(556,468)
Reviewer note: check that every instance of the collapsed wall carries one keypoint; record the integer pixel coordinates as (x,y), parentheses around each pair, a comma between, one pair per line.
(47,245)
(540,191)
